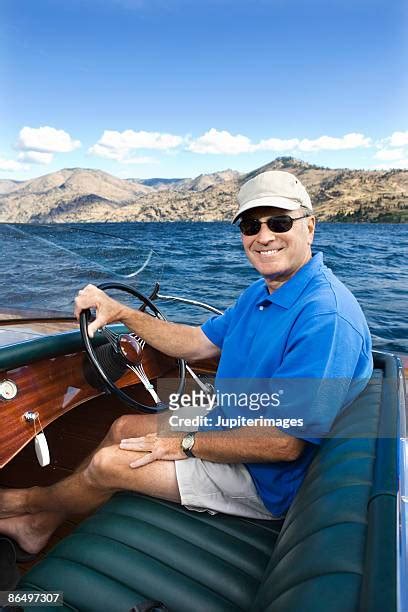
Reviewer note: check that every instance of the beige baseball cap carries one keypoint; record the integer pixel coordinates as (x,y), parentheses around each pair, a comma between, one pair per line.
(273,188)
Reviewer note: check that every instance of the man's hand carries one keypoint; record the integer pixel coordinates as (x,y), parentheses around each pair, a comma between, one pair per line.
(174,339)
(155,447)
(107,309)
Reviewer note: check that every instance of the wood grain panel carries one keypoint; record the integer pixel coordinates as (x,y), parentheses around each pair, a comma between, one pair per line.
(53,387)
(71,438)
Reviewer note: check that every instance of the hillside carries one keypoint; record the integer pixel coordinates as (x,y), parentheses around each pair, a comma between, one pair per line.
(77,195)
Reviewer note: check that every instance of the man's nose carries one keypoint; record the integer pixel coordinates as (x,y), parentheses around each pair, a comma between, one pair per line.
(265,234)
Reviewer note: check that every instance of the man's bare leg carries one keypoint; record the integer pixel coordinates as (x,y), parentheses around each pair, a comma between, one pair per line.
(126,426)
(32,530)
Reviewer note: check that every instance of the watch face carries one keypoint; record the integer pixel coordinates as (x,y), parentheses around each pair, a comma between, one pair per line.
(187,442)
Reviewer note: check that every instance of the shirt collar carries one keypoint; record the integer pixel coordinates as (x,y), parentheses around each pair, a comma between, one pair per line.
(290,291)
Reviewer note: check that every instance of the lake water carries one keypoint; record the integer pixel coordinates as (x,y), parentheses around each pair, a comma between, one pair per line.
(202,261)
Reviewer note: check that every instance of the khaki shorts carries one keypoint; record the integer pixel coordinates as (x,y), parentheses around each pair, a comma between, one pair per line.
(219,487)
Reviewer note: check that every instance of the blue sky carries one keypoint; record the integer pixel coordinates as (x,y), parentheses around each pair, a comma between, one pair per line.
(174,88)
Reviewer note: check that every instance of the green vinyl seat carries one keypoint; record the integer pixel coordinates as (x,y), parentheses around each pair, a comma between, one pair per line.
(334,552)
(137,548)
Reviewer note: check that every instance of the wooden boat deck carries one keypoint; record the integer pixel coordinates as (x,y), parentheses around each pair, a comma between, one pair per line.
(14,329)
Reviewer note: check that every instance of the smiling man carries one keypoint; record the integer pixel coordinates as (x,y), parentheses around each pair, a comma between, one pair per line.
(296,334)
(274,242)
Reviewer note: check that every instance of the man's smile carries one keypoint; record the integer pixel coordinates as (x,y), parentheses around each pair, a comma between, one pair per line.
(268,252)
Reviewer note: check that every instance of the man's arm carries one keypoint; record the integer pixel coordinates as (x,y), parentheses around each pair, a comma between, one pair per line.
(254,445)
(173,339)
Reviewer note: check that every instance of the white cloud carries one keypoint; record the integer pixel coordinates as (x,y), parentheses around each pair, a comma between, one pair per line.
(106,152)
(46,139)
(119,145)
(35,157)
(130,139)
(390,154)
(222,142)
(277,144)
(10,165)
(348,141)
(398,139)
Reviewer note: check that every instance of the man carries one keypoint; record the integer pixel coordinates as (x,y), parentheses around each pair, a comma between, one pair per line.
(297,323)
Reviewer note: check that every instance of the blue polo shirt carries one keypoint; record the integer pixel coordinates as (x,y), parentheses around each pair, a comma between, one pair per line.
(308,344)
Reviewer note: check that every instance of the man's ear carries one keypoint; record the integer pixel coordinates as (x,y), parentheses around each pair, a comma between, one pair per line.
(311,225)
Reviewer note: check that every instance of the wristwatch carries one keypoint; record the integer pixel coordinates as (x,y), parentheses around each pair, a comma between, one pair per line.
(187,444)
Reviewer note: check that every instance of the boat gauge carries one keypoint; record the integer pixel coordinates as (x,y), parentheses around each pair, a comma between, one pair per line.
(8,389)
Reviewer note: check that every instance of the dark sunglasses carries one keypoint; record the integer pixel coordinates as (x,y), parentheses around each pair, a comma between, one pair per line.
(279,225)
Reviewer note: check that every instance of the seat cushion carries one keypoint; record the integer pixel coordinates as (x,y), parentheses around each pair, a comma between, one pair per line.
(137,548)
(320,554)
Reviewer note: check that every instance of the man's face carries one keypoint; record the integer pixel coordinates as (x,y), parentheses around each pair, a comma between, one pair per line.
(278,256)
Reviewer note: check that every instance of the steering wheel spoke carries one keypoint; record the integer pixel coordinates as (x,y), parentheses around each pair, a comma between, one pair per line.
(111,336)
(141,374)
(128,348)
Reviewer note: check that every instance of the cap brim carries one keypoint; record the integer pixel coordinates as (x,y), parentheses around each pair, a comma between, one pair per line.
(272,201)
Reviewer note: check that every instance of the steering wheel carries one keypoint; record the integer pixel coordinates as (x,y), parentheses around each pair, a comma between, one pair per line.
(127,352)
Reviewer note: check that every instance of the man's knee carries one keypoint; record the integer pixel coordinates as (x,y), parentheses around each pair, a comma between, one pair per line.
(117,428)
(102,466)
(131,426)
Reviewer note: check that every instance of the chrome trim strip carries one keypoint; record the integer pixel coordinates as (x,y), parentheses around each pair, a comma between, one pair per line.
(174,298)
(402,497)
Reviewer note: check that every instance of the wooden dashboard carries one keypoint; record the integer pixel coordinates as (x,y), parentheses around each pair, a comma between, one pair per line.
(52,387)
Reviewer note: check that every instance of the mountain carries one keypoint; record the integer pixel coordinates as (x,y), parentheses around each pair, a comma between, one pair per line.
(76,195)
(7,186)
(159,183)
(79,193)
(205,181)
(200,183)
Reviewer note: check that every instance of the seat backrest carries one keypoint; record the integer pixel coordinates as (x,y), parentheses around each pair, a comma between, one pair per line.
(329,555)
